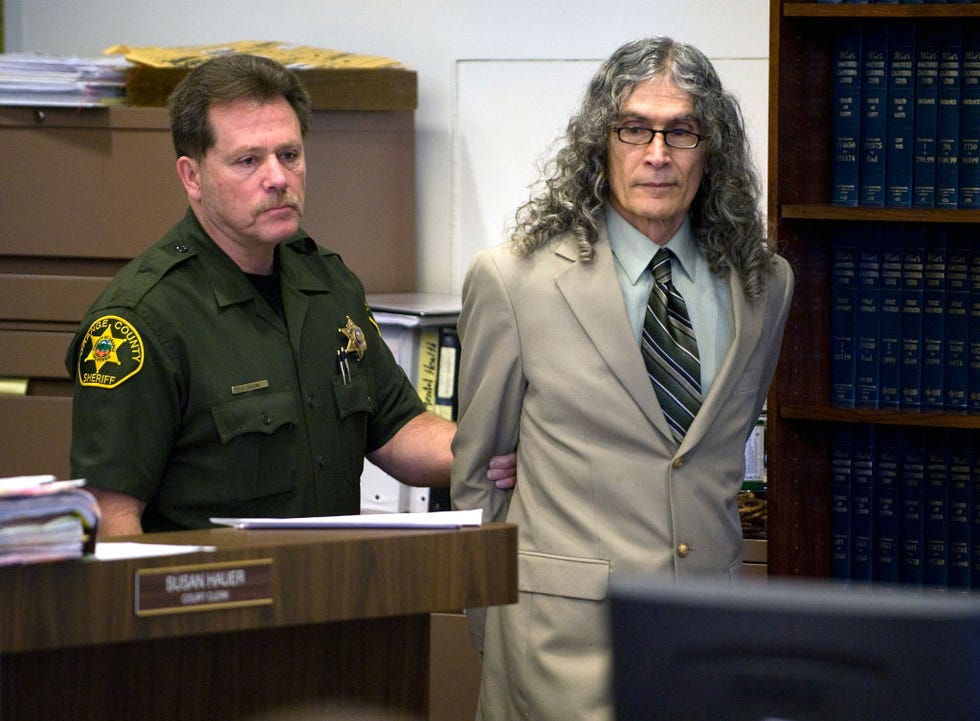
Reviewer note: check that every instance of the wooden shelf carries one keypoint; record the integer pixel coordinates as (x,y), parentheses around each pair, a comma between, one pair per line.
(925,419)
(801,421)
(821,10)
(823,211)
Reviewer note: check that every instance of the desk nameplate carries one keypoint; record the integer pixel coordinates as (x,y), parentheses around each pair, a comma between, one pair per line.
(204,587)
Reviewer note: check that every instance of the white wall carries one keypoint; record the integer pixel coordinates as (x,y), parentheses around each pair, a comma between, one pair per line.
(495,84)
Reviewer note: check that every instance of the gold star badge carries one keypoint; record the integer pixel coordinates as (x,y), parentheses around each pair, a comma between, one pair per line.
(356,342)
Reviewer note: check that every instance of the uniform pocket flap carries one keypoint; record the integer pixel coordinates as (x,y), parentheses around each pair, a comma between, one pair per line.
(353,397)
(265,413)
(563,575)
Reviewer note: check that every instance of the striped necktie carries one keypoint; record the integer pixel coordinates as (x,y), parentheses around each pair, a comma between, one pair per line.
(670,350)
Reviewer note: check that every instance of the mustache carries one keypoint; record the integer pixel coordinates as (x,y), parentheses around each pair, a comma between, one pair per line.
(288,199)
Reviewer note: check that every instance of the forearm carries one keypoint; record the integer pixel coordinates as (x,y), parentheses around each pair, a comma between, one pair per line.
(420,454)
(120,513)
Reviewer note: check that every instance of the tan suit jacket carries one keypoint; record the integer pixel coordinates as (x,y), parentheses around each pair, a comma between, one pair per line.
(550,366)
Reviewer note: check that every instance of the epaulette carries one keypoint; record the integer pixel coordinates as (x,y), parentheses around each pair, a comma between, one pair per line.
(143,274)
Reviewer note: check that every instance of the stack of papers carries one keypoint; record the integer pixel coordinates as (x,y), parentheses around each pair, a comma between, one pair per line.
(43,519)
(48,80)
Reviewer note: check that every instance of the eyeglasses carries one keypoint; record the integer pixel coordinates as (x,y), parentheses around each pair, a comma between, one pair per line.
(674,138)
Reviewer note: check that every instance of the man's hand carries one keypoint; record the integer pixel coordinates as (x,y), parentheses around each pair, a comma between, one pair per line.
(502,471)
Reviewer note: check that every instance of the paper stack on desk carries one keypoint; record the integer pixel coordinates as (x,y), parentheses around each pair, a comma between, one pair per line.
(43,519)
(52,80)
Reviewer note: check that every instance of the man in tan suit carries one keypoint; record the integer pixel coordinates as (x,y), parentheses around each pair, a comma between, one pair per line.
(557,344)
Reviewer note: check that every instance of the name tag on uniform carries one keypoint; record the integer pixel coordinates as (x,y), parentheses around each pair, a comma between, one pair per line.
(249,387)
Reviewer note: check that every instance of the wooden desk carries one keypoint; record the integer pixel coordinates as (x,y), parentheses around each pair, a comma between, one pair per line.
(349,617)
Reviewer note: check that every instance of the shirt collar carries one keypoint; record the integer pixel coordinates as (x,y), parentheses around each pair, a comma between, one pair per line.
(634,251)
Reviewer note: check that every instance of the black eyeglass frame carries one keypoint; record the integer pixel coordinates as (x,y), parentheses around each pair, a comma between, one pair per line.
(667,133)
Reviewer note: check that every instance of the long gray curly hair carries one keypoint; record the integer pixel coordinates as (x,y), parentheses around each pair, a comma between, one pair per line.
(725,215)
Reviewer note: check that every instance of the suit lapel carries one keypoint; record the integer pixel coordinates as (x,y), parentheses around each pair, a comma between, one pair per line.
(748,327)
(592,292)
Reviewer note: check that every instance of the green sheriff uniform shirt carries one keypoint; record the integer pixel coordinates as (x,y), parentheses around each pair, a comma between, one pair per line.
(192,395)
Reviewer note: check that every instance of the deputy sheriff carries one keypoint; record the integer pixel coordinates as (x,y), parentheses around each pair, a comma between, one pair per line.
(234,368)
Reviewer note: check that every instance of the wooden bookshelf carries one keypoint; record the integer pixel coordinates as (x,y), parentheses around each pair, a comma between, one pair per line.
(801,418)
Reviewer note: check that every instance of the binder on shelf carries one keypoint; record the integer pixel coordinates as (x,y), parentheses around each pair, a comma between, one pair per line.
(411,324)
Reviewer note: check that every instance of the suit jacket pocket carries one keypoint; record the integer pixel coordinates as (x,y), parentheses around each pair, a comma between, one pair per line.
(568,576)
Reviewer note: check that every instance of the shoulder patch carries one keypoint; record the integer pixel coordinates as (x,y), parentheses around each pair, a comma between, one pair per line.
(110,353)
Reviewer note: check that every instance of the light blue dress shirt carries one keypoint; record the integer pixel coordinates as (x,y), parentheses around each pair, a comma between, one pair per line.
(708,298)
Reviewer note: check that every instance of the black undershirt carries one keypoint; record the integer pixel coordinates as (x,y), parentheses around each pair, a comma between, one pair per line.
(269,288)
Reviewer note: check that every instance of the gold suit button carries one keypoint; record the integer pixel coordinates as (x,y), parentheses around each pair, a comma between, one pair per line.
(683,550)
(678,462)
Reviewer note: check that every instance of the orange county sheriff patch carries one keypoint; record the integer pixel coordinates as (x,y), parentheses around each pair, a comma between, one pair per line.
(111,353)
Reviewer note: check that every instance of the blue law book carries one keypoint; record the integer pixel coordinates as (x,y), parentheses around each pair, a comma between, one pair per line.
(934,319)
(973,402)
(975,523)
(866,327)
(970,120)
(886,527)
(900,118)
(874,108)
(935,519)
(912,558)
(846,116)
(956,375)
(960,539)
(913,252)
(863,472)
(948,119)
(890,320)
(843,313)
(840,502)
(926,103)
